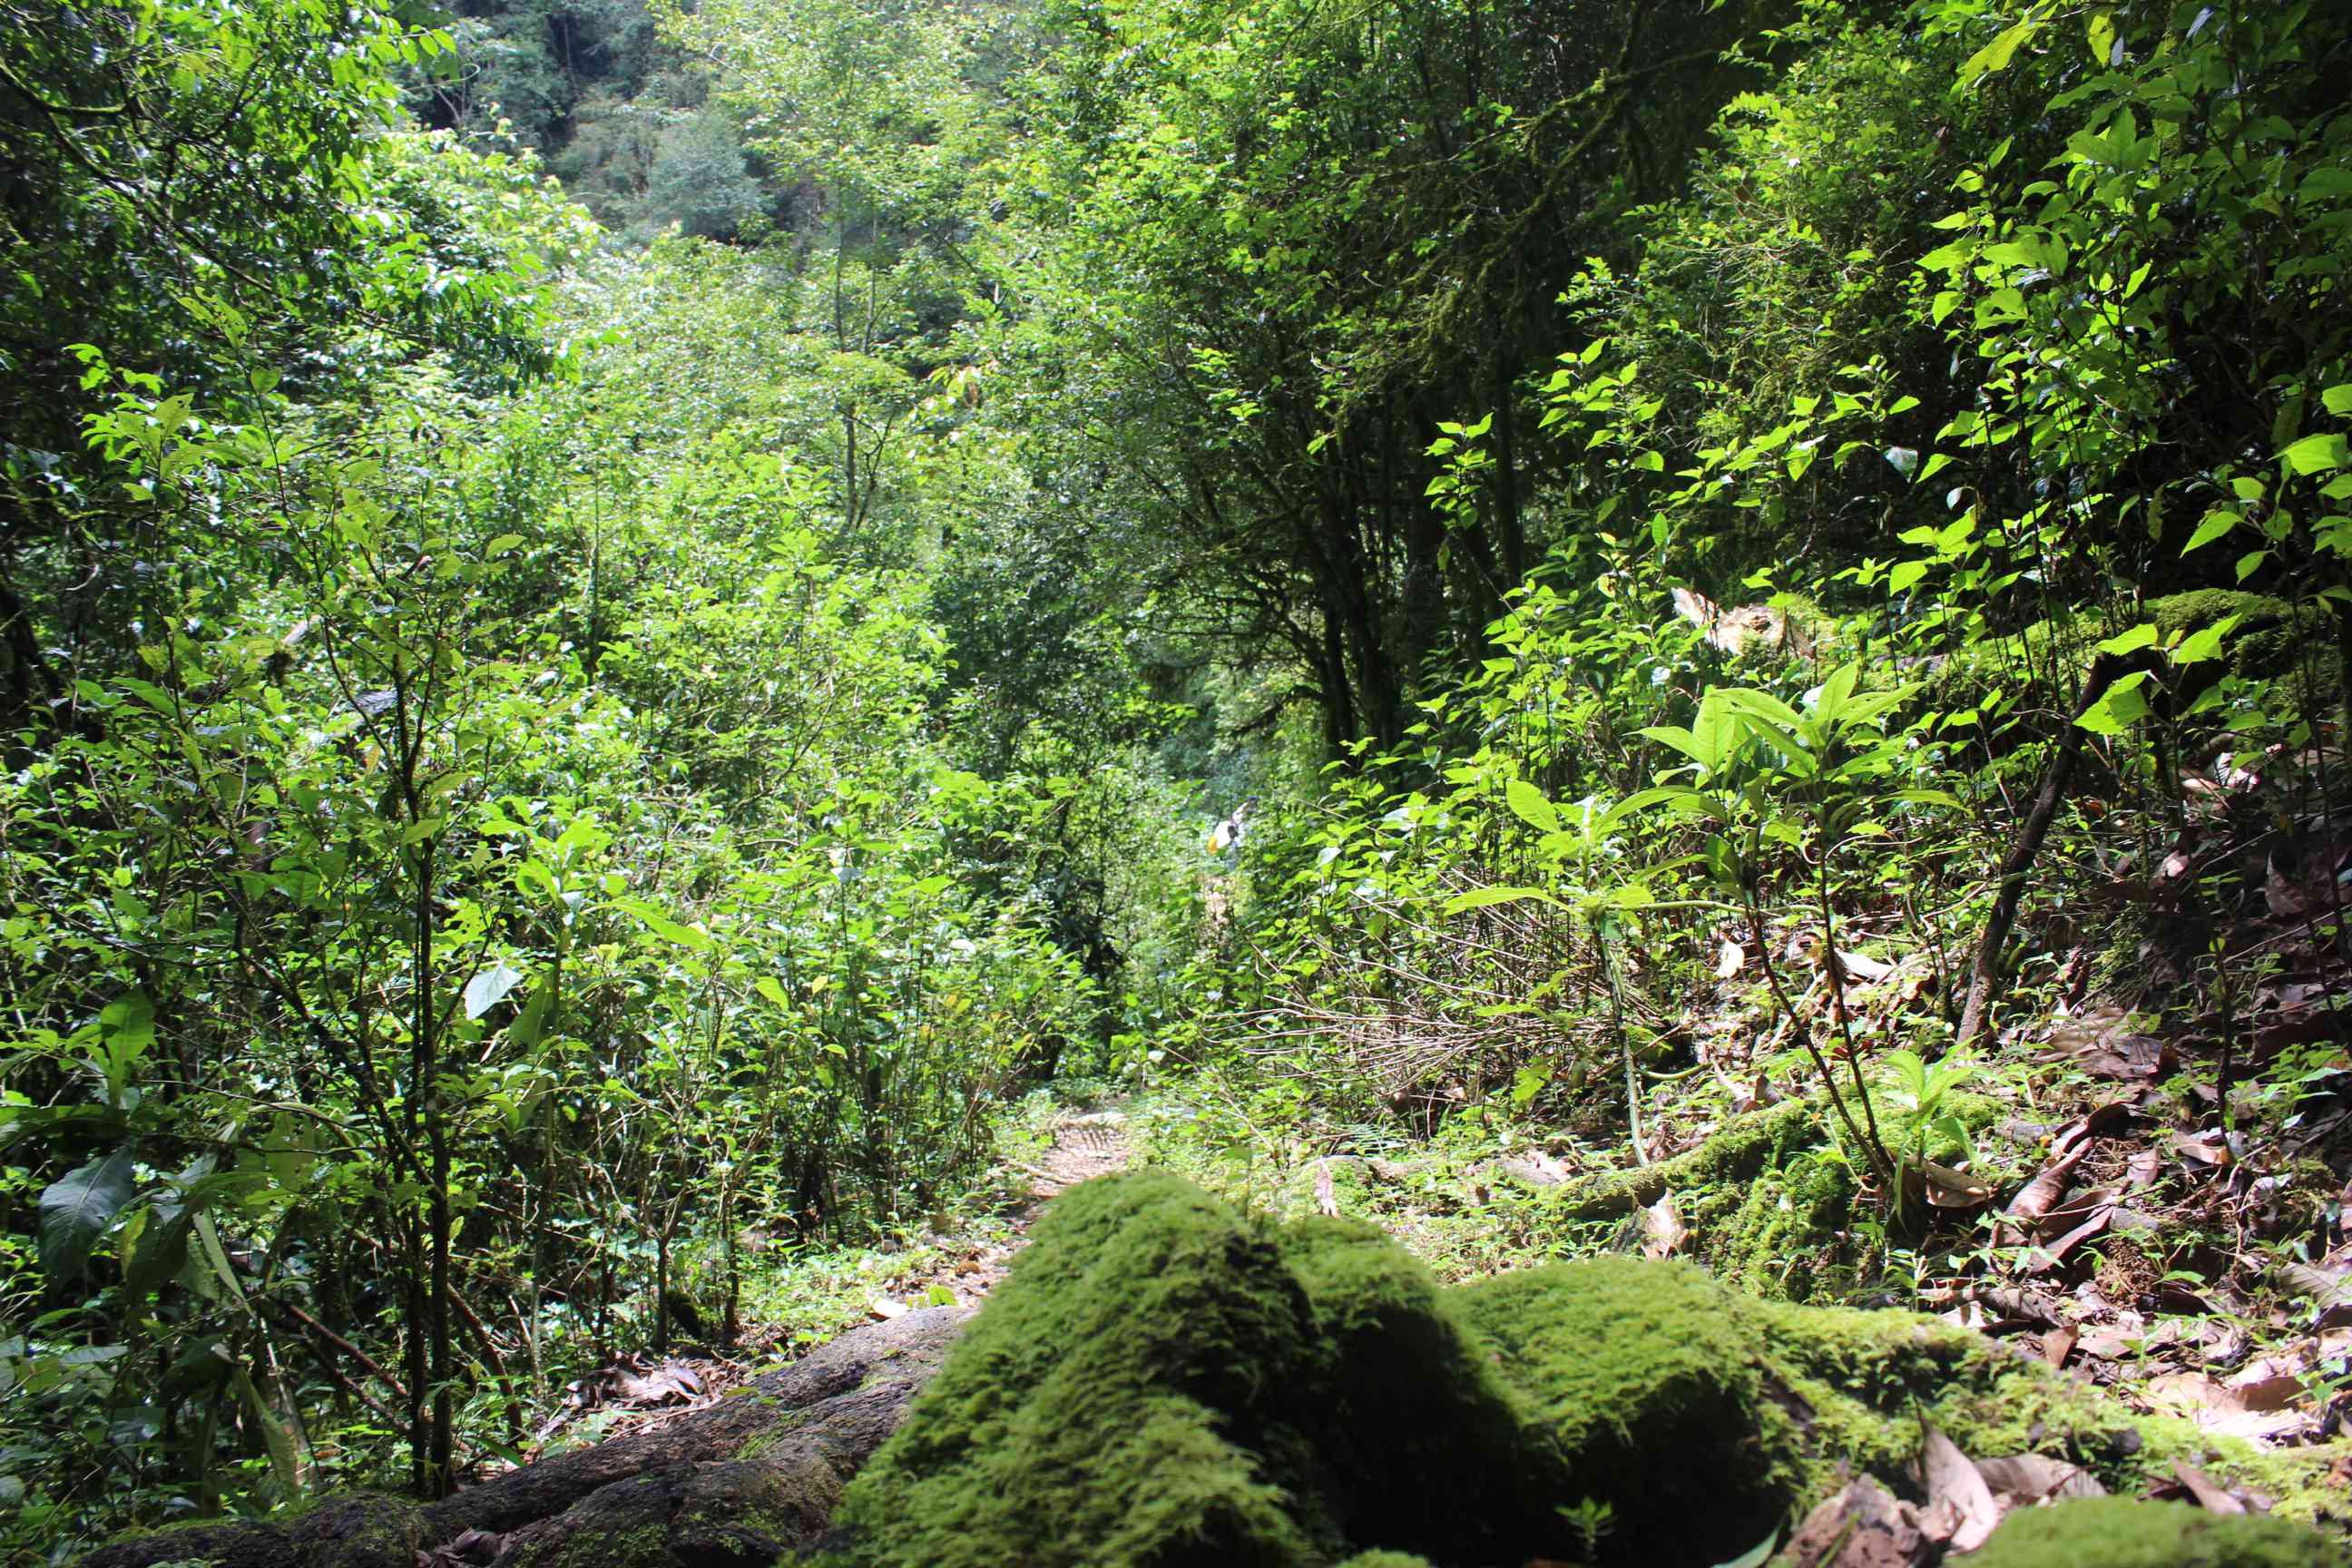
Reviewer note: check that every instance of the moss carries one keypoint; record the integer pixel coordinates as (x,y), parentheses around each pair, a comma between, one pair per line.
(1165,1382)
(2261,643)
(1782,1232)
(1134,1393)
(646,1546)
(2119,1532)
(1746,1146)
(1643,1376)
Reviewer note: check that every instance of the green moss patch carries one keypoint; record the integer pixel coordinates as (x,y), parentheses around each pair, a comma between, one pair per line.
(1165,1382)
(2117,1532)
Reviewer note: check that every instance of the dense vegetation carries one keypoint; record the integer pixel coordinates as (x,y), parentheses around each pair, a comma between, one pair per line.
(622,624)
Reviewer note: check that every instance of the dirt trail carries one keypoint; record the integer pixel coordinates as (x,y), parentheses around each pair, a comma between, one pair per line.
(1085,1145)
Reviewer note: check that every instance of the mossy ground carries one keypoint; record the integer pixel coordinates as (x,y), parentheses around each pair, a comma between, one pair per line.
(2119,1532)
(1165,1382)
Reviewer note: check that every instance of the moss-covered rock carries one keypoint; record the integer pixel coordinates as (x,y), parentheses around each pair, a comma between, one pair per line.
(2261,643)
(1164,1382)
(2118,1532)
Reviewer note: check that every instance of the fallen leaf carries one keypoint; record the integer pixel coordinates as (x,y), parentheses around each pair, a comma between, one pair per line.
(2205,1490)
(2058,1344)
(2028,1480)
(1947,1188)
(1730,960)
(1864,1526)
(2217,1408)
(2050,1256)
(1324,1201)
(1961,1511)
(2204,1150)
(2038,1196)
(1663,1230)
(884,1308)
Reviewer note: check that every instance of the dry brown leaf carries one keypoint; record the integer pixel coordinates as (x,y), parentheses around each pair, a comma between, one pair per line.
(2053,1253)
(2019,1304)
(2208,1492)
(2218,1407)
(1664,1232)
(2028,1480)
(2058,1344)
(2203,1148)
(1947,1188)
(1864,1526)
(2038,1196)
(884,1308)
(1961,1510)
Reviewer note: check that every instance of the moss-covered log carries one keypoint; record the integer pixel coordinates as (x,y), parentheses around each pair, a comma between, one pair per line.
(1740,1150)
(743,1481)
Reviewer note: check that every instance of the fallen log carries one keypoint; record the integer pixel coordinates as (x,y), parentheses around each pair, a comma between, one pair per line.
(741,1481)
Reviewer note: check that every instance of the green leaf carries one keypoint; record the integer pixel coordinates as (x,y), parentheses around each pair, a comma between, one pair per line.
(2139,636)
(772,989)
(1486,898)
(488,989)
(1995,57)
(284,1460)
(2218,521)
(208,1237)
(661,925)
(2315,454)
(2206,644)
(1529,805)
(76,1209)
(2122,706)
(2339,399)
(162,1253)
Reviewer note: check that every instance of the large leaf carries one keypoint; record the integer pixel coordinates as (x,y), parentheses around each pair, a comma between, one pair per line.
(1485,897)
(2122,706)
(76,1211)
(661,926)
(488,989)
(1530,806)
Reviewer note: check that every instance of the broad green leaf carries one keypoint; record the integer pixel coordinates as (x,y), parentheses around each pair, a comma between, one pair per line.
(2315,454)
(162,1253)
(2218,521)
(488,989)
(2122,706)
(1995,57)
(1530,806)
(76,1209)
(2141,635)
(663,926)
(2200,647)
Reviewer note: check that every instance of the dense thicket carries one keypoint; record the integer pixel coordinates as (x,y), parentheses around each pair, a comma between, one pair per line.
(551,769)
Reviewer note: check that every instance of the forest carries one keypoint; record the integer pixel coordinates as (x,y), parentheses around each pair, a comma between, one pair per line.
(1135,784)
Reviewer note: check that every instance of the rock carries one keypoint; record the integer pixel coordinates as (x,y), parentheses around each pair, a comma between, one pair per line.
(741,1480)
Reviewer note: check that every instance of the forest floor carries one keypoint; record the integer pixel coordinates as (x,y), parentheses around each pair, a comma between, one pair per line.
(957,1262)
